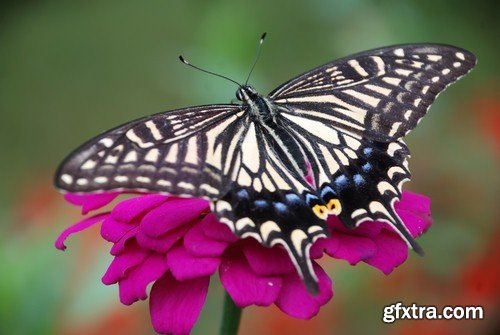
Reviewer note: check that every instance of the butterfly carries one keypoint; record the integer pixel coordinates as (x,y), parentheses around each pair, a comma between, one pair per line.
(327,142)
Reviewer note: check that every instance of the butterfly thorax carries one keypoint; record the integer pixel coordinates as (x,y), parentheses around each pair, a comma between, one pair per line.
(259,107)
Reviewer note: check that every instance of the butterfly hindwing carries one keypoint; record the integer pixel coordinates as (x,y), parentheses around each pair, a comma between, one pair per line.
(369,185)
(357,179)
(270,200)
(275,218)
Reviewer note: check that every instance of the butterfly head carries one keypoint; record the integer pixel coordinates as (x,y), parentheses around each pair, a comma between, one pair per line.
(245,93)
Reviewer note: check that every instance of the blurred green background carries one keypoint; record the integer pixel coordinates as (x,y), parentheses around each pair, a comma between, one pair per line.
(71,69)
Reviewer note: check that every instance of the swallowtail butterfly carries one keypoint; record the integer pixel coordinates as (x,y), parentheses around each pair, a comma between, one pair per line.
(341,125)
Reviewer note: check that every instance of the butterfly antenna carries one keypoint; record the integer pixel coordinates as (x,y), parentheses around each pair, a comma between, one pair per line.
(182,59)
(259,47)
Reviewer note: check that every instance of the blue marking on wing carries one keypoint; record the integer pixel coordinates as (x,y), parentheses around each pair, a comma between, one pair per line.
(243,194)
(292,197)
(261,203)
(325,190)
(367,151)
(310,197)
(341,181)
(358,179)
(280,207)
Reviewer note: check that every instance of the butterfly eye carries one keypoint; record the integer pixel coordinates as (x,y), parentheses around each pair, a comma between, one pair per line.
(334,206)
(321,211)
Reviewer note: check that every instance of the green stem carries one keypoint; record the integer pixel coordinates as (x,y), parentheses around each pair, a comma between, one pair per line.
(230,317)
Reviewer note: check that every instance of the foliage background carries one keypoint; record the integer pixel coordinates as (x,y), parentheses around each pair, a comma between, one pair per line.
(71,69)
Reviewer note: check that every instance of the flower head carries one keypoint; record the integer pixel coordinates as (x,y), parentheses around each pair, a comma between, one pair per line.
(179,244)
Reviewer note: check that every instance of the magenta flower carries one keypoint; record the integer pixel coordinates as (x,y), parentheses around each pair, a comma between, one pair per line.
(178,244)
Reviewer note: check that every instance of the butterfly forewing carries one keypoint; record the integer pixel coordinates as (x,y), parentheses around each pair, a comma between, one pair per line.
(178,152)
(380,94)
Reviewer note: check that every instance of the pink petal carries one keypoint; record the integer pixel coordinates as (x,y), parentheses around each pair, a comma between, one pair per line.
(414,202)
(243,285)
(77,227)
(175,306)
(294,299)
(334,223)
(113,230)
(90,202)
(266,261)
(199,245)
(369,229)
(119,247)
(133,286)
(132,256)
(328,245)
(163,243)
(310,175)
(416,223)
(127,210)
(185,267)
(366,229)
(414,210)
(353,248)
(217,230)
(172,214)
(391,252)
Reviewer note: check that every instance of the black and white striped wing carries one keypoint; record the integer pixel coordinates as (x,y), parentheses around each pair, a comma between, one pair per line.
(380,94)
(350,115)
(357,179)
(181,152)
(215,152)
(270,200)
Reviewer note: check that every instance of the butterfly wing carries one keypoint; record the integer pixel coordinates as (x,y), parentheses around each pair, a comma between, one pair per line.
(181,152)
(357,178)
(350,115)
(380,94)
(270,200)
(215,152)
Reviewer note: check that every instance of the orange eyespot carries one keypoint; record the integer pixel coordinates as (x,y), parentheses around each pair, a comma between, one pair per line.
(334,206)
(321,211)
